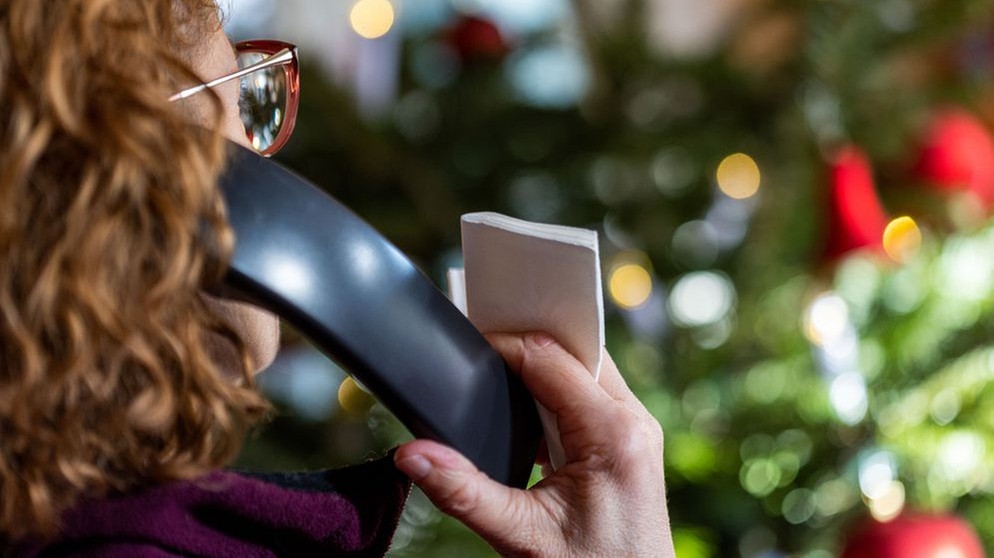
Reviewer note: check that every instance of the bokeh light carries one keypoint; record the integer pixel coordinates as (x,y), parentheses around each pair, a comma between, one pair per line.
(826,320)
(965,270)
(834,496)
(550,76)
(876,471)
(848,396)
(945,406)
(760,476)
(701,298)
(692,456)
(755,446)
(673,171)
(353,398)
(738,176)
(889,503)
(304,380)
(798,506)
(902,239)
(715,334)
(960,460)
(372,19)
(630,285)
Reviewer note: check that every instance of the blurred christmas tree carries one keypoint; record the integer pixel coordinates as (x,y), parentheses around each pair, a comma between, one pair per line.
(794,200)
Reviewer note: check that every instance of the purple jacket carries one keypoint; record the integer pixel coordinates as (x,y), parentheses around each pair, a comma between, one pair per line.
(345,512)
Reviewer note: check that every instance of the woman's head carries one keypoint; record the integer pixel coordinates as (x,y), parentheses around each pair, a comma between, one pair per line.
(110,226)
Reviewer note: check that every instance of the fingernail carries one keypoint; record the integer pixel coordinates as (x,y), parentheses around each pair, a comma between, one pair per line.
(416,467)
(541,340)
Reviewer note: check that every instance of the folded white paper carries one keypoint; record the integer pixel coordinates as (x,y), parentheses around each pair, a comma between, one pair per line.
(521,276)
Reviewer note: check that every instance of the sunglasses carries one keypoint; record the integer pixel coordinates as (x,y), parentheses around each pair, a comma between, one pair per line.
(268,91)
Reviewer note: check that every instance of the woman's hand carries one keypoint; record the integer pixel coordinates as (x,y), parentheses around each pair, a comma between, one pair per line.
(609,499)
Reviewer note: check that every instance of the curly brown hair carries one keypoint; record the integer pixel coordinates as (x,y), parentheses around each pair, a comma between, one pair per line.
(110,227)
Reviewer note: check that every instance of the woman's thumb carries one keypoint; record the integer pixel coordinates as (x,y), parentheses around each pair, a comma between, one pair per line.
(458,488)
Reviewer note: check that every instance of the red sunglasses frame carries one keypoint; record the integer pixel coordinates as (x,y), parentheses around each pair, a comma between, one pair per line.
(277,53)
(272,47)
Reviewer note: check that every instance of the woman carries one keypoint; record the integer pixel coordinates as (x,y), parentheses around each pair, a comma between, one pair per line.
(124,389)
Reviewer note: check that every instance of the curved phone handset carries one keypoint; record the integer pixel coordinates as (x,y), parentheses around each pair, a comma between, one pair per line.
(302,255)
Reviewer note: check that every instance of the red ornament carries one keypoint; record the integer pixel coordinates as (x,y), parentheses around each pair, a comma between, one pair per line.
(856,217)
(915,536)
(957,154)
(476,39)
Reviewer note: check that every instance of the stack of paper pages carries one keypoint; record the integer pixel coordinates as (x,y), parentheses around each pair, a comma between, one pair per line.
(521,276)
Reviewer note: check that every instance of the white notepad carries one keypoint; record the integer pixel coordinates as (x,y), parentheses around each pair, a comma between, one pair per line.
(522,276)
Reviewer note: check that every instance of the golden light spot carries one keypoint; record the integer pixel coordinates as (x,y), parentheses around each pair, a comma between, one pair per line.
(738,176)
(902,239)
(354,400)
(372,18)
(630,285)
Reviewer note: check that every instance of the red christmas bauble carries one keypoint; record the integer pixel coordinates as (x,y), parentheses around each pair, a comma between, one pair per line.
(476,39)
(957,154)
(915,536)
(856,218)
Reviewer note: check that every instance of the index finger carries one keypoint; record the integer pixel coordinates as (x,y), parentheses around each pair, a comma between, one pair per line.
(556,379)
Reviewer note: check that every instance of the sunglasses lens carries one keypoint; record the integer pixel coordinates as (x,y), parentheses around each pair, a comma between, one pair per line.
(263,101)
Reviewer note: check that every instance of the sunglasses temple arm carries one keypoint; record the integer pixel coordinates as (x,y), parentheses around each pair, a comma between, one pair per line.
(282,57)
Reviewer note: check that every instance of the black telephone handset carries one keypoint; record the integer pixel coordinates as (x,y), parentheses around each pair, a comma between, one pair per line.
(302,255)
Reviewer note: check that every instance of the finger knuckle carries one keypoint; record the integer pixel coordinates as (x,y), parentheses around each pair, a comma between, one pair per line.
(631,439)
(632,447)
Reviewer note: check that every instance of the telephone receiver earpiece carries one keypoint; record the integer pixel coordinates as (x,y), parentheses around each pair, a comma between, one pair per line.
(305,257)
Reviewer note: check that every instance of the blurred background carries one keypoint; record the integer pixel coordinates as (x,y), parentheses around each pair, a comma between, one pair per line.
(794,202)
